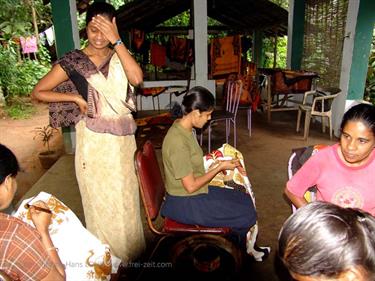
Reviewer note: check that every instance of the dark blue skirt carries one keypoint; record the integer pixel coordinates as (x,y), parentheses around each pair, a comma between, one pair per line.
(220,207)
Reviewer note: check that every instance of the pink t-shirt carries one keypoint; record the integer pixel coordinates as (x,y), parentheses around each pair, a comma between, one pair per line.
(337,183)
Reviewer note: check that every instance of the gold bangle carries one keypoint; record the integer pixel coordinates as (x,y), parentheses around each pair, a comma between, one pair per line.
(52,248)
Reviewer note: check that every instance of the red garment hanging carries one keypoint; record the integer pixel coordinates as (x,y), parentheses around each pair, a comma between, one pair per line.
(158,55)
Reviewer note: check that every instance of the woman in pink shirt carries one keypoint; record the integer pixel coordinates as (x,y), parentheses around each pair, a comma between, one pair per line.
(344,173)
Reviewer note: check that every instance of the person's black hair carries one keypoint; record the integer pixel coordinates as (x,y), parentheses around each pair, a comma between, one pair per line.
(363,112)
(323,239)
(8,163)
(100,8)
(198,98)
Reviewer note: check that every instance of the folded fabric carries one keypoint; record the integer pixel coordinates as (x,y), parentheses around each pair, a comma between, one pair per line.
(236,179)
(229,179)
(85,257)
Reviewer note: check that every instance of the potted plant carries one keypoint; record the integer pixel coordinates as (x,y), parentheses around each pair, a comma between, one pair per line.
(49,157)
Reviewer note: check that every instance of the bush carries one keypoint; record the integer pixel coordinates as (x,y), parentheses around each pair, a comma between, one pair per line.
(18,77)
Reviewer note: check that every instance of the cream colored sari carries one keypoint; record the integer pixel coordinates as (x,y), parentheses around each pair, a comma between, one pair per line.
(105,169)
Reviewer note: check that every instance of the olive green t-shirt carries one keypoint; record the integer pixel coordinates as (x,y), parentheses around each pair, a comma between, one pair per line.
(181,156)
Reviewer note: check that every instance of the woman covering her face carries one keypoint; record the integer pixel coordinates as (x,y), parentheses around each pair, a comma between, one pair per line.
(344,173)
(89,89)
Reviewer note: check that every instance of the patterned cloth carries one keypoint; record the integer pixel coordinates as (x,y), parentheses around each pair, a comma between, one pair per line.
(236,180)
(84,256)
(22,254)
(103,86)
(225,55)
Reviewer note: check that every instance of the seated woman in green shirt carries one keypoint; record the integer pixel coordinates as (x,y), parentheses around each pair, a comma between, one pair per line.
(189,198)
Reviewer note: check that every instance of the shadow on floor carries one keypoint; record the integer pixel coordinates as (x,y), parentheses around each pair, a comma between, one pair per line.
(178,259)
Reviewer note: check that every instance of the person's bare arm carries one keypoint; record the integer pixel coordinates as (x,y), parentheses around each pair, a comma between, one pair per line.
(41,221)
(132,69)
(43,91)
(192,184)
(296,201)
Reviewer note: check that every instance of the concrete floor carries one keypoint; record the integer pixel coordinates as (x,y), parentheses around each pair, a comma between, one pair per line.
(266,155)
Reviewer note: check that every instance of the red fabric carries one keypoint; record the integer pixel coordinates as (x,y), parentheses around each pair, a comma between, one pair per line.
(250,93)
(154,91)
(180,50)
(138,37)
(174,226)
(22,254)
(225,55)
(158,55)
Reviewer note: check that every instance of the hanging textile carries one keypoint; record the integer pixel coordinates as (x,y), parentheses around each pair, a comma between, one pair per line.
(29,44)
(225,55)
(158,55)
(50,34)
(180,50)
(138,38)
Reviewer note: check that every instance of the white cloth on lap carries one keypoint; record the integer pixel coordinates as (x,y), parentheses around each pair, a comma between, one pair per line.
(85,257)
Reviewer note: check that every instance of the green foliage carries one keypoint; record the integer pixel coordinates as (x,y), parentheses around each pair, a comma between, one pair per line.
(18,77)
(268,48)
(370,79)
(45,134)
(179,20)
(118,3)
(16,17)
(19,109)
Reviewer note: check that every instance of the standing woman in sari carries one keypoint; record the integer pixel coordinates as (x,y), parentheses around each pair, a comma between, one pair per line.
(105,142)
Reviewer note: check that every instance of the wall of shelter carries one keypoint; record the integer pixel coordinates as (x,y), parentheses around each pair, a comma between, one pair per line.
(324,37)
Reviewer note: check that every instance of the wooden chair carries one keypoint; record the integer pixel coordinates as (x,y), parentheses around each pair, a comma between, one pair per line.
(321,106)
(152,192)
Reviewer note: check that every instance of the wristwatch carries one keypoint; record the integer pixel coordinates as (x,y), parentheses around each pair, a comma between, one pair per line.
(118,42)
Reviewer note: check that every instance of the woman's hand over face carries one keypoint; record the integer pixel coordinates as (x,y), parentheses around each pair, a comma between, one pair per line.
(107,27)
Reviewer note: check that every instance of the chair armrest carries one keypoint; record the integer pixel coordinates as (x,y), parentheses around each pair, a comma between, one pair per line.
(307,94)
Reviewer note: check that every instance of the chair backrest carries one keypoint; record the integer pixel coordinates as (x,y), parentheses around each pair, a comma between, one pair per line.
(323,102)
(298,157)
(233,95)
(150,180)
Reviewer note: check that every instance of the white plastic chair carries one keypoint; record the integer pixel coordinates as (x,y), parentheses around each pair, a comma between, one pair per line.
(321,106)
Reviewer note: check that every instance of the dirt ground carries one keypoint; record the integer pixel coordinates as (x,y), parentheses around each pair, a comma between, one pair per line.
(18,135)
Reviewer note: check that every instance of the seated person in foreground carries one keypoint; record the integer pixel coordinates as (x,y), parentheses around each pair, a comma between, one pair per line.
(323,241)
(189,198)
(343,173)
(25,253)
